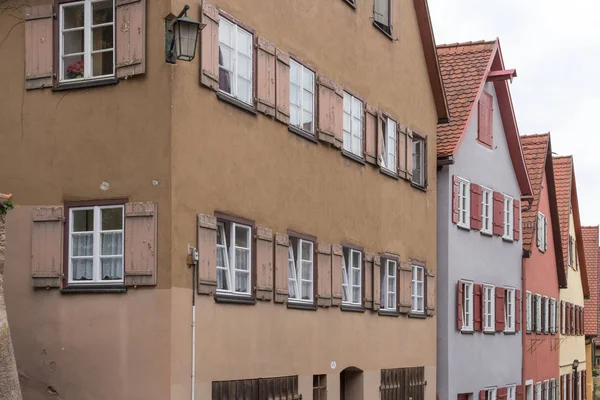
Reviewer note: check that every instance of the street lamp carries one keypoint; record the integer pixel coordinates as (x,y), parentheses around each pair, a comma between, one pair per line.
(182,36)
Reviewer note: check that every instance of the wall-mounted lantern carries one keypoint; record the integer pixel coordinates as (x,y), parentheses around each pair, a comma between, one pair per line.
(181,36)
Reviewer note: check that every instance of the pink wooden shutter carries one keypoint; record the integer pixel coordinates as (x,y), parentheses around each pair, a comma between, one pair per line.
(498,214)
(485,119)
(402,151)
(282,87)
(336,275)
(517,310)
(409,159)
(207,253)
(502,393)
(324,275)
(38,46)
(454,199)
(376,282)
(482,394)
(371,137)
(209,45)
(476,206)
(459,305)
(499,309)
(431,290)
(282,244)
(477,307)
(47,247)
(520,392)
(265,77)
(331,109)
(405,294)
(264,264)
(369,286)
(130,29)
(140,244)
(516,219)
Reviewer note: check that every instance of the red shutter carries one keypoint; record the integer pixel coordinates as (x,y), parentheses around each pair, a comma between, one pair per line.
(516,219)
(140,244)
(498,214)
(455,199)
(502,393)
(130,29)
(265,77)
(209,44)
(282,87)
(482,394)
(518,310)
(371,138)
(475,206)
(477,307)
(485,133)
(520,392)
(499,309)
(47,247)
(459,305)
(38,46)
(331,109)
(264,264)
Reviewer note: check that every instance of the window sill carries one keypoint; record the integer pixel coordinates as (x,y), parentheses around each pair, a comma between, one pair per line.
(353,157)
(352,308)
(94,289)
(232,100)
(351,4)
(301,306)
(84,84)
(303,134)
(233,299)
(466,228)
(488,234)
(484,144)
(389,173)
(510,332)
(507,239)
(419,315)
(419,187)
(382,30)
(489,332)
(389,313)
(467,331)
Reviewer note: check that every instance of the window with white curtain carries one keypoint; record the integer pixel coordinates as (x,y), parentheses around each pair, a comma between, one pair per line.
(235,61)
(302,97)
(418,289)
(390,145)
(388,284)
(353,125)
(234,255)
(301,268)
(96,244)
(351,276)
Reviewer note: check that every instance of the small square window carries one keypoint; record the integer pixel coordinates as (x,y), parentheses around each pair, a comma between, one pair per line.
(508,218)
(301,270)
(488,308)
(352,276)
(234,255)
(467,288)
(418,289)
(235,61)
(390,145)
(388,284)
(509,310)
(302,97)
(418,161)
(353,125)
(486,210)
(464,203)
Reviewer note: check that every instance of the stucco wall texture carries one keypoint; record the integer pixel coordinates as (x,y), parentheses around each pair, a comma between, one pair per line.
(472,256)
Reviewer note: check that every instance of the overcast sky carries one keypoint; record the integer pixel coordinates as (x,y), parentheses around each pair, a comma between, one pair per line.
(555,47)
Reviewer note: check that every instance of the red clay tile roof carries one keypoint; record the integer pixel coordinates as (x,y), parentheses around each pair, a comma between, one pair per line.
(535,150)
(563,167)
(590,248)
(463,67)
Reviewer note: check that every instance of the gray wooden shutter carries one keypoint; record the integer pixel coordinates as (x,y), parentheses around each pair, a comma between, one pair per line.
(430,288)
(282,244)
(324,275)
(376,282)
(38,46)
(369,282)
(282,87)
(130,29)
(330,112)
(265,77)
(209,45)
(140,244)
(207,253)
(264,264)
(336,275)
(405,294)
(47,247)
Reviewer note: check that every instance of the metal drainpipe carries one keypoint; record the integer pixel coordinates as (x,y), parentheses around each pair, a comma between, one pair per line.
(194,266)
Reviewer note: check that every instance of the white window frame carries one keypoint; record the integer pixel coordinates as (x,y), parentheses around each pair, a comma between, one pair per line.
(490,393)
(464,203)
(488,299)
(552,315)
(529,302)
(347,275)
(538,314)
(565,388)
(418,289)
(302,88)
(509,309)
(353,143)
(467,300)
(389,154)
(546,395)
(87,42)
(511,392)
(487,205)
(508,217)
(235,57)
(389,280)
(538,391)
(546,314)
(295,256)
(231,251)
(96,249)
(552,392)
(419,179)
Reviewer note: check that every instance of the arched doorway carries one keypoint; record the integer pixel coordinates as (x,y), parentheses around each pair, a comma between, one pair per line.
(351,384)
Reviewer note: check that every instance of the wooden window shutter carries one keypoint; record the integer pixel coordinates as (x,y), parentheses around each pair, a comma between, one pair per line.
(431,290)
(562,310)
(455,199)
(264,264)
(482,394)
(265,77)
(282,244)
(477,307)
(562,384)
(459,305)
(130,30)
(403,152)
(476,194)
(405,294)
(520,392)
(569,392)
(516,219)
(584,383)
(140,244)
(377,283)
(517,310)
(499,309)
(498,214)
(371,137)
(207,254)
(324,275)
(369,281)
(47,247)
(336,274)
(209,45)
(502,393)
(38,46)
(282,86)
(485,115)
(331,112)
(538,231)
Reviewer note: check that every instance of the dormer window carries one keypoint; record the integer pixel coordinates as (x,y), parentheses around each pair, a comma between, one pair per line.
(485,134)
